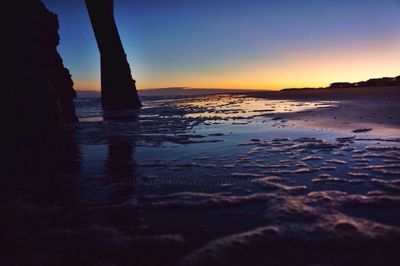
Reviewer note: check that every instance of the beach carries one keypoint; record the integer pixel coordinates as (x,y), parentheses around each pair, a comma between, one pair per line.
(204,180)
(374,108)
(201,133)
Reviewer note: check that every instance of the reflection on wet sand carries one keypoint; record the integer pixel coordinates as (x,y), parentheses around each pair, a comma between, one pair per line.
(120,166)
(198,181)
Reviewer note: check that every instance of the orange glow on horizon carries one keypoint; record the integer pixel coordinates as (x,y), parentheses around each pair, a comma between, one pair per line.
(86,85)
(302,68)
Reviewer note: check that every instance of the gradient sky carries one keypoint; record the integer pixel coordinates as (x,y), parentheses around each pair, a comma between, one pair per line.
(260,44)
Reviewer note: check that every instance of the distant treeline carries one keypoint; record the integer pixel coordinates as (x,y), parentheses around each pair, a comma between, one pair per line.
(378,82)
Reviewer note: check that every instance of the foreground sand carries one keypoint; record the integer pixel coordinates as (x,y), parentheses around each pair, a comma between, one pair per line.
(219,180)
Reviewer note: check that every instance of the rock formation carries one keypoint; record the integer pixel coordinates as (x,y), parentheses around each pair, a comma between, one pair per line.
(117,86)
(40,87)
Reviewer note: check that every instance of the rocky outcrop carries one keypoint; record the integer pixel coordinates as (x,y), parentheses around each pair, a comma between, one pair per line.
(118,90)
(41,88)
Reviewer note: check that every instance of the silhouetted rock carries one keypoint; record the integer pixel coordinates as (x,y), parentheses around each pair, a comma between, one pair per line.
(41,88)
(117,86)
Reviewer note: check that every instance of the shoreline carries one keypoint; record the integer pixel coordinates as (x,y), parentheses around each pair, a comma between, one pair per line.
(376,109)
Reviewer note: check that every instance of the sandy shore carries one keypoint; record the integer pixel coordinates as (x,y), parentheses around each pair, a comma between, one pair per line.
(211,180)
(377,108)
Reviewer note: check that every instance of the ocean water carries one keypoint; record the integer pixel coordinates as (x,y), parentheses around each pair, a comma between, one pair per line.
(198,180)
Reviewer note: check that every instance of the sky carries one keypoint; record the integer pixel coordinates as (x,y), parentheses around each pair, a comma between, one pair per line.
(244,44)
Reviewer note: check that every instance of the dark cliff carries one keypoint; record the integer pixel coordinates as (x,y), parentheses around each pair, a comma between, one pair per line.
(41,88)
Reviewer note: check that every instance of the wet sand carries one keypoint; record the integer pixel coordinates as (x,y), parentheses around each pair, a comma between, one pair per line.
(211,180)
(376,108)
(379,116)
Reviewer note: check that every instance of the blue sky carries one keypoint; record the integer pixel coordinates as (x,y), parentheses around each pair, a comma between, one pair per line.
(267,44)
